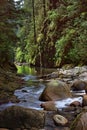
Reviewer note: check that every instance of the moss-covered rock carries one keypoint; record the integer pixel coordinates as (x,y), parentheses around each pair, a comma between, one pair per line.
(19,117)
(55,90)
(9,82)
(80,123)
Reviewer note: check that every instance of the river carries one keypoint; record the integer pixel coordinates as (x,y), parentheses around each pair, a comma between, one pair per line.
(29,95)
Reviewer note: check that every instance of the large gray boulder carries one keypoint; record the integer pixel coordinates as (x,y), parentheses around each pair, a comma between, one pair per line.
(19,117)
(55,90)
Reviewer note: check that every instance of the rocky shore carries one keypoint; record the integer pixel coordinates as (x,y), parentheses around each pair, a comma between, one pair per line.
(9,82)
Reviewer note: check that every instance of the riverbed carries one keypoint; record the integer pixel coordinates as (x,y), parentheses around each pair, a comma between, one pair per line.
(29,95)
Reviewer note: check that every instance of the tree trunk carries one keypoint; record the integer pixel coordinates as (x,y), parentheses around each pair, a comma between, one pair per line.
(34,24)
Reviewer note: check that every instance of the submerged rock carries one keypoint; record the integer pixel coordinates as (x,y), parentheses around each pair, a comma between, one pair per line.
(19,117)
(55,90)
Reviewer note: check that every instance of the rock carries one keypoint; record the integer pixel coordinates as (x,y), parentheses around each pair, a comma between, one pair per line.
(24,91)
(78,85)
(9,82)
(68,66)
(19,117)
(49,106)
(80,70)
(80,123)
(14,99)
(66,128)
(75,104)
(83,76)
(68,109)
(3,129)
(55,90)
(60,120)
(84,108)
(33,128)
(84,102)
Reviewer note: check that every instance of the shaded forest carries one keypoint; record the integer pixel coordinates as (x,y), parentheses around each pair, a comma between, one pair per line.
(47,34)
(43,33)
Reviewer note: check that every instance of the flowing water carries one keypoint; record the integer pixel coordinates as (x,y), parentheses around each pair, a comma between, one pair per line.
(29,95)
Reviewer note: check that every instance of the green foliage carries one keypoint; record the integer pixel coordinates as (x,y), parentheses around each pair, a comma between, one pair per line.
(8,38)
(19,56)
(53,15)
(32,50)
(61,34)
(78,52)
(26,70)
(40,37)
(25,33)
(72,9)
(62,43)
(71,45)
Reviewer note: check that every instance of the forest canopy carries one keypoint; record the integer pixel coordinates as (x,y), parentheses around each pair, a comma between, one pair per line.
(43,33)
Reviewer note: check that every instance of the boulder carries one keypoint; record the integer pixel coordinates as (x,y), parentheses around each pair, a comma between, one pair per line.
(83,76)
(19,117)
(3,129)
(49,106)
(55,90)
(79,85)
(75,104)
(80,123)
(84,108)
(84,102)
(60,120)
(65,128)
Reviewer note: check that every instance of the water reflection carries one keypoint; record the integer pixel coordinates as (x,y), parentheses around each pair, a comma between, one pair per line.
(27,70)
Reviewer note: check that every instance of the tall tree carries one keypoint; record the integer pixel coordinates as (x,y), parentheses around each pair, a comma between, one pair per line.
(34,23)
(7,32)
(42,47)
(58,25)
